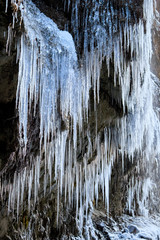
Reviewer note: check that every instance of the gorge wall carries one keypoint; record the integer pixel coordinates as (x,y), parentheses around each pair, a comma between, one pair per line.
(87,138)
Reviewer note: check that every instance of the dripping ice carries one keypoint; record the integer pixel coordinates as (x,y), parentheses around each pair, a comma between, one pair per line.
(50,75)
(56,69)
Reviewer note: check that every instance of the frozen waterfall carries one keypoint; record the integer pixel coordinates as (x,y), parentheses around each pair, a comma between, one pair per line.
(55,84)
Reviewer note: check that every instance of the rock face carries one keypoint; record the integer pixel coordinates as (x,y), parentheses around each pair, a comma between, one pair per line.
(43,217)
(8,85)
(156,42)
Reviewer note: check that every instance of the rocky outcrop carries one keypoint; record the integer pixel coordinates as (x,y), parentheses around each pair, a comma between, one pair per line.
(8,85)
(156,41)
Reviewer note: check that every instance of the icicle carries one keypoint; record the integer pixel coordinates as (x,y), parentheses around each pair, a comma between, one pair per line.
(9,39)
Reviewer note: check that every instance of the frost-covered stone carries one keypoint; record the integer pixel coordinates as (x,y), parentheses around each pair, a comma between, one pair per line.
(133,229)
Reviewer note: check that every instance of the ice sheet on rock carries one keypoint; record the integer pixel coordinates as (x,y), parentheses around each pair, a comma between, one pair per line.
(100,24)
(47,71)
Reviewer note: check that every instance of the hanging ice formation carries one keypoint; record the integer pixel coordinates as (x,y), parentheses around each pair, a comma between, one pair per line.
(52,78)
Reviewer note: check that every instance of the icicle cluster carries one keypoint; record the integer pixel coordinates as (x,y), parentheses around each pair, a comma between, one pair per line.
(51,78)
